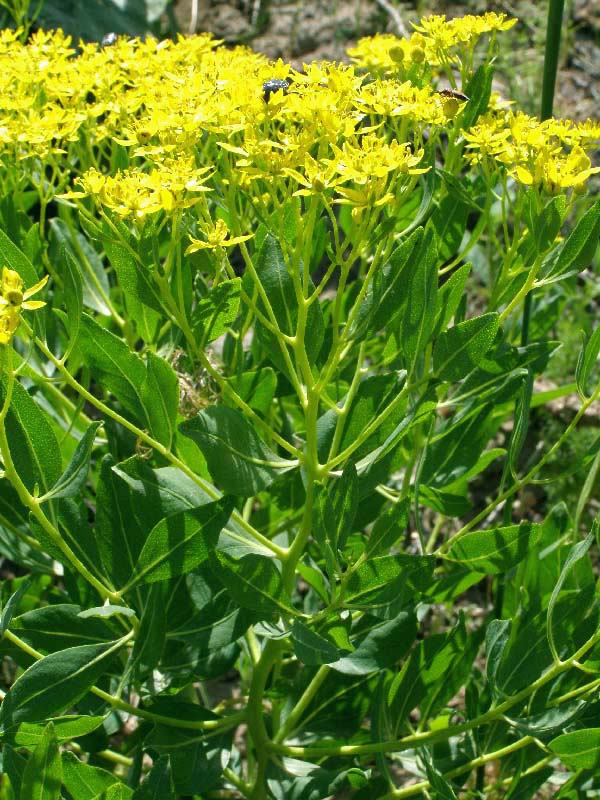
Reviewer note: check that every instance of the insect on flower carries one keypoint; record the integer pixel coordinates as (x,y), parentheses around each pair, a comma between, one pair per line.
(274,85)
(109,40)
(454,94)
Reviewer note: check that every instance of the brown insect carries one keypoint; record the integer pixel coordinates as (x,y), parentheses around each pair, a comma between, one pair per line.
(453,93)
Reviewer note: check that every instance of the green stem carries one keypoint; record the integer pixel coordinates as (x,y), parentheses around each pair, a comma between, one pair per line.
(296,713)
(474,763)
(553,32)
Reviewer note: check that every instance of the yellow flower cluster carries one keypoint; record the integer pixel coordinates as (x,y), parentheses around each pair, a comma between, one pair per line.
(144,128)
(549,155)
(436,42)
(13,300)
(175,184)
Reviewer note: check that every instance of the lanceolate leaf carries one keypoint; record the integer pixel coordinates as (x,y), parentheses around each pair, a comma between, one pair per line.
(578,749)
(181,542)
(42,777)
(254,582)
(379,580)
(578,552)
(217,311)
(239,461)
(55,683)
(18,261)
(84,781)
(12,605)
(578,249)
(380,646)
(461,348)
(33,445)
(496,550)
(74,476)
(160,393)
(586,361)
(418,319)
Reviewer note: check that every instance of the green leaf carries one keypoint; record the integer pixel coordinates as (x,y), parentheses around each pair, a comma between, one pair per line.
(496,639)
(380,580)
(456,449)
(73,478)
(423,407)
(158,784)
(55,683)
(381,645)
(388,528)
(118,791)
(546,225)
(310,647)
(33,445)
(160,396)
(496,550)
(373,396)
(256,388)
(238,460)
(577,553)
(151,633)
(181,542)
(544,724)
(15,259)
(66,728)
(141,296)
(449,221)
(417,321)
(579,248)
(386,297)
(216,312)
(42,777)
(201,611)
(520,423)
(58,626)
(427,669)
(254,582)
(84,781)
(578,749)
(12,605)
(450,296)
(461,348)
(82,256)
(113,365)
(441,788)
(121,523)
(478,90)
(333,515)
(586,361)
(197,768)
(73,294)
(13,767)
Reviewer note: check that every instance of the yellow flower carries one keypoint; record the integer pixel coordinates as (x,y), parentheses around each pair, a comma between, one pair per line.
(13,296)
(9,322)
(216,237)
(13,300)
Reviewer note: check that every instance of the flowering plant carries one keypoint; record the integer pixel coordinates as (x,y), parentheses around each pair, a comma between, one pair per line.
(265,447)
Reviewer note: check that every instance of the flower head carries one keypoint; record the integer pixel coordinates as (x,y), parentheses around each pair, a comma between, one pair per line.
(13,300)
(217,236)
